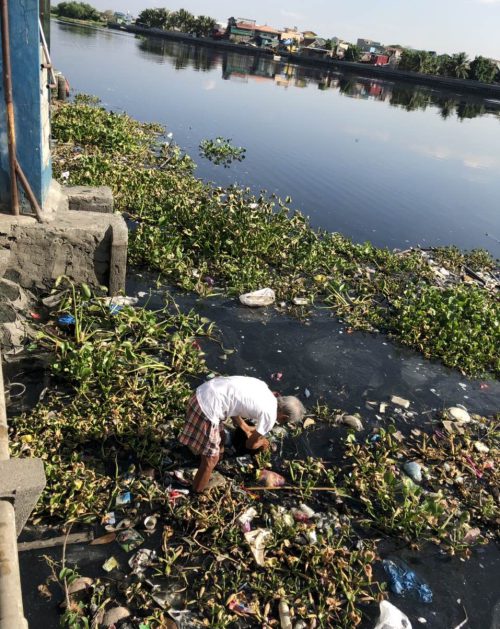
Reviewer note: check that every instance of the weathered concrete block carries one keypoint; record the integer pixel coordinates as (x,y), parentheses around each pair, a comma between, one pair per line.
(21,482)
(86,199)
(55,202)
(88,247)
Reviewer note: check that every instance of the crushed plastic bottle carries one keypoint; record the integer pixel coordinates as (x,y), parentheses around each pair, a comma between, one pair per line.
(403,580)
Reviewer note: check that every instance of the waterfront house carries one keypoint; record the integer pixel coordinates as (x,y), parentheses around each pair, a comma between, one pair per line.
(240,30)
(292,34)
(122,18)
(315,47)
(368,46)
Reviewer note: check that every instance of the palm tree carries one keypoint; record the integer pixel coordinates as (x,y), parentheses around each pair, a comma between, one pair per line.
(459,65)
(204,26)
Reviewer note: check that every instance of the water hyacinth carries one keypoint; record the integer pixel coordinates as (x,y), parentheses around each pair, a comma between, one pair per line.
(189,230)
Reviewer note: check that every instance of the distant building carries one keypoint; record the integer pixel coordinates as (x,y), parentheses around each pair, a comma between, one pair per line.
(370,46)
(292,34)
(122,18)
(341,49)
(244,31)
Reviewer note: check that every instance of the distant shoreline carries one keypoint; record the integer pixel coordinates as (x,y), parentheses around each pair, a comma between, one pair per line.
(465,86)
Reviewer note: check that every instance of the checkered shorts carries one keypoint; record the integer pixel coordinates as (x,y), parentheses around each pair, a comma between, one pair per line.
(199,434)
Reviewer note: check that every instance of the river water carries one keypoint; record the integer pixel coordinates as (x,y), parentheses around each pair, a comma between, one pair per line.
(391,163)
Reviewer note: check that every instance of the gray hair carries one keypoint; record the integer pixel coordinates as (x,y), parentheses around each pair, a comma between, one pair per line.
(292,407)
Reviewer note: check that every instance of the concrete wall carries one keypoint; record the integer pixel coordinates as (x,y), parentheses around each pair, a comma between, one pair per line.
(31,104)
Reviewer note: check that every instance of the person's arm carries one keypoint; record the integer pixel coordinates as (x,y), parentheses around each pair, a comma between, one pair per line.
(256,441)
(207,464)
(240,423)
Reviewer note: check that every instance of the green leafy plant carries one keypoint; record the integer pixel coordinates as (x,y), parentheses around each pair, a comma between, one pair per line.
(221,152)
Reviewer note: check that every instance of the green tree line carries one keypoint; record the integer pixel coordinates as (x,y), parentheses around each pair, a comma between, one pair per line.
(77,11)
(181,20)
(458,66)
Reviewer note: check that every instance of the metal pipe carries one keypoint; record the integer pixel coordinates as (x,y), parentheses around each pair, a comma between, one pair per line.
(9,104)
(29,192)
(47,55)
(11,599)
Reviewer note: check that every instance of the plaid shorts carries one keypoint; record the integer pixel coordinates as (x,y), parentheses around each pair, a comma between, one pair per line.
(199,434)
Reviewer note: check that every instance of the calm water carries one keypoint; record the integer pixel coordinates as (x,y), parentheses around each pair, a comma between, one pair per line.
(375,160)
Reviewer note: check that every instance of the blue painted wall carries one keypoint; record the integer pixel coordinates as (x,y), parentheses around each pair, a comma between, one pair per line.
(30,103)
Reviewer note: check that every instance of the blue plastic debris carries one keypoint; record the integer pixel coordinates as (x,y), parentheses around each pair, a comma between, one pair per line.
(124,499)
(403,580)
(66,319)
(115,308)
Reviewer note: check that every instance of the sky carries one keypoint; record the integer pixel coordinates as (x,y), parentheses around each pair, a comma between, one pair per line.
(441,25)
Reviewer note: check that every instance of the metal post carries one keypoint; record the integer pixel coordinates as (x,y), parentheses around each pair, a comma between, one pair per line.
(9,103)
(11,597)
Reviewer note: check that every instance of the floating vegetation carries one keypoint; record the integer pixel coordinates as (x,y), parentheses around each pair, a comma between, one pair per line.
(189,231)
(221,152)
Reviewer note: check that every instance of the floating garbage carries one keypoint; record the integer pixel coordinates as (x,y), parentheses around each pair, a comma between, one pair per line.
(80,584)
(257,541)
(66,320)
(391,617)
(123,499)
(282,516)
(150,523)
(110,564)
(142,559)
(403,580)
(104,539)
(259,298)
(300,301)
(239,605)
(285,618)
(400,401)
(245,519)
(458,414)
(114,615)
(120,300)
(129,540)
(353,422)
(270,479)
(308,422)
(413,470)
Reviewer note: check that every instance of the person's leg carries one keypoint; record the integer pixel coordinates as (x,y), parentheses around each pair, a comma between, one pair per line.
(207,464)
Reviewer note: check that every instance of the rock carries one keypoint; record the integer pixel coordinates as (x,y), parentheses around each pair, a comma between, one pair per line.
(259,298)
(391,617)
(400,401)
(353,422)
(457,414)
(114,615)
(413,470)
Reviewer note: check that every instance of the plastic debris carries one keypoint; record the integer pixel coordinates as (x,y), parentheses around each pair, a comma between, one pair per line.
(114,615)
(400,401)
(239,605)
(66,320)
(413,470)
(277,376)
(245,519)
(403,580)
(142,559)
(110,564)
(481,447)
(284,611)
(300,301)
(120,300)
(307,393)
(150,522)
(471,536)
(123,499)
(258,298)
(129,540)
(82,583)
(458,414)
(391,617)
(309,422)
(352,422)
(270,479)
(257,541)
(282,516)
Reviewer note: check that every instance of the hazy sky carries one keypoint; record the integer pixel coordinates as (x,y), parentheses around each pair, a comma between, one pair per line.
(442,25)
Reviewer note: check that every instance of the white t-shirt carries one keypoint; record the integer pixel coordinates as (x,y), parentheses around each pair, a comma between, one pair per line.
(250,398)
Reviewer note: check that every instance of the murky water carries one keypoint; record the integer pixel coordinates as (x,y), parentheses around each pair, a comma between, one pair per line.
(380,161)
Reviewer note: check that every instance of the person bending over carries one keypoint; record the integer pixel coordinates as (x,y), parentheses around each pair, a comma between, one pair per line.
(237,397)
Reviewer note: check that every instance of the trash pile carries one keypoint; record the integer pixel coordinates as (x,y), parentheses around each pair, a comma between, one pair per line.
(277,540)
